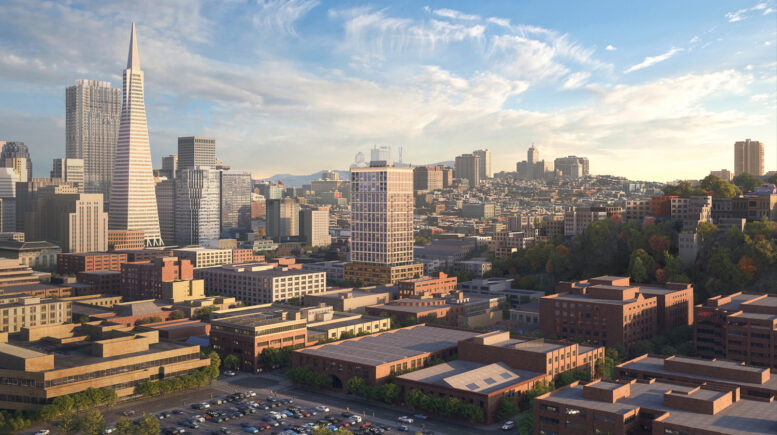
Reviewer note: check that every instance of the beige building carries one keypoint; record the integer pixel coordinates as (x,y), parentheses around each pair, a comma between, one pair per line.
(260,283)
(204,257)
(347,300)
(749,157)
(282,217)
(314,226)
(69,171)
(34,254)
(52,361)
(74,221)
(382,226)
(14,273)
(723,174)
(18,311)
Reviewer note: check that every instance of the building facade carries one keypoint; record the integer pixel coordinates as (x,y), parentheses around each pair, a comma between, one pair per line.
(76,222)
(314,226)
(196,151)
(164,189)
(282,221)
(133,200)
(197,206)
(468,167)
(261,283)
(749,157)
(16,156)
(92,117)
(69,171)
(144,280)
(235,201)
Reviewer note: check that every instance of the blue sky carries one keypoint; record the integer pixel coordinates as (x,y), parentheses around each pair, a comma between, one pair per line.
(651,90)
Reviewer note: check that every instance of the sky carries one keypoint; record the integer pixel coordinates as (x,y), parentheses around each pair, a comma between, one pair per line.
(656,90)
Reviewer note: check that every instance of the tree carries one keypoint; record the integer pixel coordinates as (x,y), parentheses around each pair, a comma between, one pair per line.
(148,424)
(69,424)
(203,314)
(176,314)
(640,265)
(719,187)
(92,423)
(747,182)
(507,409)
(232,362)
(125,426)
(772,179)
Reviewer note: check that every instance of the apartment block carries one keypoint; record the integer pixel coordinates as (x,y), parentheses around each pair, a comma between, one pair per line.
(739,327)
(126,239)
(661,206)
(505,243)
(437,284)
(637,209)
(755,207)
(314,227)
(102,281)
(71,264)
(261,283)
(50,361)
(749,157)
(240,256)
(610,310)
(143,280)
(427,178)
(577,219)
(19,311)
(347,300)
(204,257)
(755,383)
(650,407)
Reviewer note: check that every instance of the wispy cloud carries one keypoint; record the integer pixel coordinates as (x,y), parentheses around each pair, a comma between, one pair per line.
(575,80)
(652,60)
(455,15)
(743,14)
(276,16)
(610,47)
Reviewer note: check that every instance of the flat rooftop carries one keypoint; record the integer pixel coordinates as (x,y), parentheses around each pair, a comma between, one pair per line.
(736,301)
(472,376)
(590,300)
(769,301)
(390,346)
(744,417)
(656,364)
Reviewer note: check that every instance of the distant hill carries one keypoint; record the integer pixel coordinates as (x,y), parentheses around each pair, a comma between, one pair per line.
(291,180)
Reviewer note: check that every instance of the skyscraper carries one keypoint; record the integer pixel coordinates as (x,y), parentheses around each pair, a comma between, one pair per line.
(76,222)
(381,225)
(195,151)
(468,166)
(197,206)
(749,157)
(485,162)
(92,115)
(15,155)
(165,204)
(170,165)
(235,200)
(572,166)
(8,180)
(69,171)
(133,199)
(314,226)
(282,219)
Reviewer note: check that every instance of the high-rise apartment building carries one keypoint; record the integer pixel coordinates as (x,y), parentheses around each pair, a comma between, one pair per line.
(749,157)
(282,219)
(69,171)
(197,206)
(194,151)
(485,162)
(382,225)
(133,199)
(723,174)
(92,116)
(165,203)
(74,221)
(533,168)
(427,178)
(468,166)
(15,155)
(314,226)
(235,200)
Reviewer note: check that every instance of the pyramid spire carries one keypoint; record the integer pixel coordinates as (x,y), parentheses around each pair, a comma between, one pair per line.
(133,59)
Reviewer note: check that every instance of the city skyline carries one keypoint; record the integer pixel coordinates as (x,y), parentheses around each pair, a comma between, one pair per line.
(327,80)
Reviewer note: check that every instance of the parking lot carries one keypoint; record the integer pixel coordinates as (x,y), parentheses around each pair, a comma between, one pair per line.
(381,417)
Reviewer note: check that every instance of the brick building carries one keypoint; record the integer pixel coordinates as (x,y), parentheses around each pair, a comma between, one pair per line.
(102,281)
(143,280)
(71,264)
(437,284)
(246,256)
(375,357)
(650,407)
(756,383)
(610,310)
(126,239)
(661,206)
(145,254)
(740,327)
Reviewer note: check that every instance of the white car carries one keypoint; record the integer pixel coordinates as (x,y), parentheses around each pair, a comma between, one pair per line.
(43,432)
(250,394)
(109,429)
(405,419)
(322,408)
(229,373)
(509,424)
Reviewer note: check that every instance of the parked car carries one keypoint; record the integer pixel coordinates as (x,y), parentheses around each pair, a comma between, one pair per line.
(322,408)
(43,432)
(229,373)
(405,419)
(509,424)
(403,428)
(420,416)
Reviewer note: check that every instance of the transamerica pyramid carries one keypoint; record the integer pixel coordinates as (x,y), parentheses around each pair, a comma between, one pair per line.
(133,198)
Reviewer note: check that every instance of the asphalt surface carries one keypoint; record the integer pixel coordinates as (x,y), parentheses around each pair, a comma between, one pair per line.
(273,385)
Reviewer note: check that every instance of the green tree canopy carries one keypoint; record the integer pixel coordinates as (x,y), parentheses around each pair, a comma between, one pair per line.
(747,181)
(719,187)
